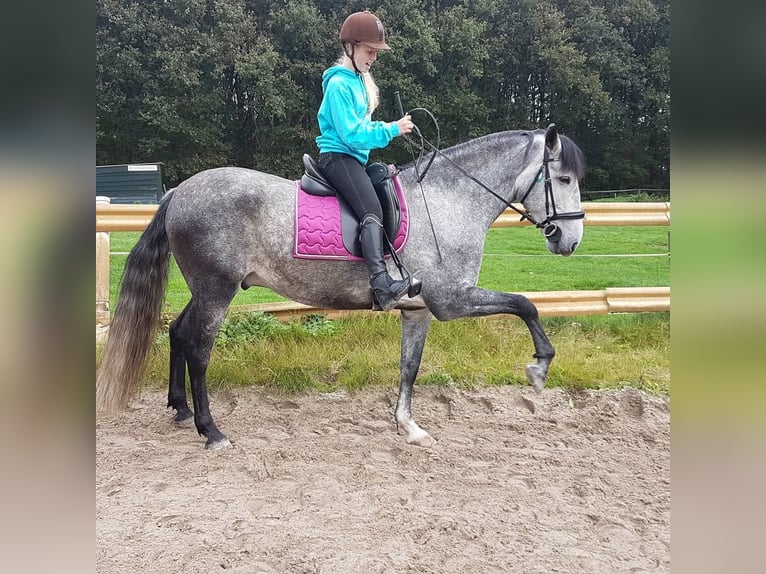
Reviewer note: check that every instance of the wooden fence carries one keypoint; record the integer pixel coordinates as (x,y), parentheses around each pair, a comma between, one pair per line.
(549,303)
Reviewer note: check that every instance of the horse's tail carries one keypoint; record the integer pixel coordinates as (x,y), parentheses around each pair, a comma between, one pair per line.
(136,316)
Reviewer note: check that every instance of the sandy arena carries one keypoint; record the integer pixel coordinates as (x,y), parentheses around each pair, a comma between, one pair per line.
(517,483)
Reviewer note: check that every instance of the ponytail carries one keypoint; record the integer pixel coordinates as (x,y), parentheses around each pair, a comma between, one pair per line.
(373,97)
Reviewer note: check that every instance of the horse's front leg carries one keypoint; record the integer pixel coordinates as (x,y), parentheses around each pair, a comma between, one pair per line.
(414,330)
(537,373)
(476,302)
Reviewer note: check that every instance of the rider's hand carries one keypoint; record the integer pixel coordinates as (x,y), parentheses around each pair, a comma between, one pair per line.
(405,125)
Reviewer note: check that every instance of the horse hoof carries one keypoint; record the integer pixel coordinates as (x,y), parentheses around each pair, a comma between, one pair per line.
(536,376)
(218,444)
(184,420)
(423,440)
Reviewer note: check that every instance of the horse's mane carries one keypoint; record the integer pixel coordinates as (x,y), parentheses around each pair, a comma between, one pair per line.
(572,158)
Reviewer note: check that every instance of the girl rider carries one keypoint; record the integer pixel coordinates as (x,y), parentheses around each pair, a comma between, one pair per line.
(347,134)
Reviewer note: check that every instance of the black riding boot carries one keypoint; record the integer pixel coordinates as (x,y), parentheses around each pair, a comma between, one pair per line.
(385,289)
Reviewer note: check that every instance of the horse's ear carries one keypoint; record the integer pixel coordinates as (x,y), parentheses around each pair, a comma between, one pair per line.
(552,141)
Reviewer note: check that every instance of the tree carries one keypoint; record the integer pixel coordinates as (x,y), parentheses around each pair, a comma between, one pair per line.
(182,83)
(205,83)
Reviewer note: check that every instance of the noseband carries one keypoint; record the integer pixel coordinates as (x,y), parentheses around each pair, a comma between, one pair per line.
(551,231)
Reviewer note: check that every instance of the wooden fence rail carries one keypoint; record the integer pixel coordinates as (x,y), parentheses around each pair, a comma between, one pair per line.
(548,303)
(119,217)
(111,217)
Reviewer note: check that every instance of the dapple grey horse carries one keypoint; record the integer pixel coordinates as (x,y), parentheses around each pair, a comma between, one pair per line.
(231,228)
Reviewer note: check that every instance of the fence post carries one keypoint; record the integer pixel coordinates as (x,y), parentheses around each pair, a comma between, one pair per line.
(102,272)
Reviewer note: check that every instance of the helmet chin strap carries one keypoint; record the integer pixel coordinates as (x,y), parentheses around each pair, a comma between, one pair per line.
(346,50)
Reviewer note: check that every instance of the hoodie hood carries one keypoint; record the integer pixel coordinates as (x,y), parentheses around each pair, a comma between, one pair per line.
(340,71)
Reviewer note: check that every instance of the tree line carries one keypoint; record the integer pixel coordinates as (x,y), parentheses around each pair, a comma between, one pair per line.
(196,84)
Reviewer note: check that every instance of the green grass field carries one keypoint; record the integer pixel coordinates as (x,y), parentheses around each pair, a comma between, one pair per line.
(313,353)
(515,259)
(362,351)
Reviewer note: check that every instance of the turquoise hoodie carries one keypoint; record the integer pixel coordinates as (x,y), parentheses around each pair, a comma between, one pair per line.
(344,124)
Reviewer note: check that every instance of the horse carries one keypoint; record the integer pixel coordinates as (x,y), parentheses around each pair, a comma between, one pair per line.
(231,228)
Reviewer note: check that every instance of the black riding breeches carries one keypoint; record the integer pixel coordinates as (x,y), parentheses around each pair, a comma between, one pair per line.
(349,177)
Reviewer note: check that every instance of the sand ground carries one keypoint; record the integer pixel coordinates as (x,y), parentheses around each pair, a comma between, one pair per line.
(518,482)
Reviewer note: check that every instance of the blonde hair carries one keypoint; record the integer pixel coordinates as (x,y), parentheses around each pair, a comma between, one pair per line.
(373,94)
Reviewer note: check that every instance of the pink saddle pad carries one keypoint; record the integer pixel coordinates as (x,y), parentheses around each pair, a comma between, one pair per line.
(317,229)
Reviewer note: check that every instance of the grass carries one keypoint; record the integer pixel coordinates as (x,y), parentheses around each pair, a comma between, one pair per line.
(362,351)
(515,259)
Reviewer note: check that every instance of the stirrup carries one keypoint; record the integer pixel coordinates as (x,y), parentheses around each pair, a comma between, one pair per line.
(415,286)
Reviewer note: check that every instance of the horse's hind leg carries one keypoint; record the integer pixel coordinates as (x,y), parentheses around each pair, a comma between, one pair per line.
(177,385)
(414,330)
(200,328)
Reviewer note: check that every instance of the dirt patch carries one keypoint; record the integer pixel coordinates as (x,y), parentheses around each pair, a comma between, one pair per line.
(517,482)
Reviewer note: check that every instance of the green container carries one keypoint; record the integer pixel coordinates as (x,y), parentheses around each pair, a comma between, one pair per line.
(132,183)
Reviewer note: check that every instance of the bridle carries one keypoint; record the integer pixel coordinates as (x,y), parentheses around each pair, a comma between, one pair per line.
(550,230)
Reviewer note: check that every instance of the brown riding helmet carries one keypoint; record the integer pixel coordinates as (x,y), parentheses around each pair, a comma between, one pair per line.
(364,28)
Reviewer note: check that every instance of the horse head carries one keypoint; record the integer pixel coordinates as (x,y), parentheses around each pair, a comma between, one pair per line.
(552,198)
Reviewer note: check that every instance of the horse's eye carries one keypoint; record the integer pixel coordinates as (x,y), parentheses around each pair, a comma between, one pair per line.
(565,179)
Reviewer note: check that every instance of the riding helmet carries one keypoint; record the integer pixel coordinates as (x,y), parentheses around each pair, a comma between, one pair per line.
(364,28)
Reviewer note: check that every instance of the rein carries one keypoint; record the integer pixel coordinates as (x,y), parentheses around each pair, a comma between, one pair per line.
(550,230)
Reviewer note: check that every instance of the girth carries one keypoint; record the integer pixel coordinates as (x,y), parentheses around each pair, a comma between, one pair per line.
(314,182)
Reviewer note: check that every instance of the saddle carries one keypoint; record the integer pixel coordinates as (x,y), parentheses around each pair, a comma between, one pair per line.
(313,182)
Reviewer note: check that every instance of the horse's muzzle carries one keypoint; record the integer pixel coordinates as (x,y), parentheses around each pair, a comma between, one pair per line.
(563,248)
